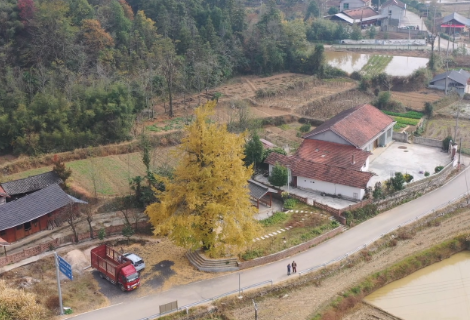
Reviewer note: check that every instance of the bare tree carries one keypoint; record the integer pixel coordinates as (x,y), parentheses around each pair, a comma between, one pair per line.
(71,217)
(170,69)
(89,212)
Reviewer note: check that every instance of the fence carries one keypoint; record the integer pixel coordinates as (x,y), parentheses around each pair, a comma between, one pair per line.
(400,136)
(43,247)
(188,306)
(364,246)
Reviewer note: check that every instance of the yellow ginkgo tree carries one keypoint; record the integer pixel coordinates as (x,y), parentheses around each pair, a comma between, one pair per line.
(207,203)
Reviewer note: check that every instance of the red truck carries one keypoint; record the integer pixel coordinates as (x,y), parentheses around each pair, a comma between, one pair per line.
(114,269)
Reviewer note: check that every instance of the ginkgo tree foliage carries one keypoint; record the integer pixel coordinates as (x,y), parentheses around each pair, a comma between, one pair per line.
(207,203)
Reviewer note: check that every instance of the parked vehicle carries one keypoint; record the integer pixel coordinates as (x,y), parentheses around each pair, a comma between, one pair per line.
(136,261)
(113,268)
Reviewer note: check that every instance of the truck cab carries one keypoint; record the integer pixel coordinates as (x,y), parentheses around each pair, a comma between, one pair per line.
(129,278)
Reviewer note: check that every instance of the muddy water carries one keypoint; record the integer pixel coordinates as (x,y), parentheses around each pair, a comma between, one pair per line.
(440,291)
(352,61)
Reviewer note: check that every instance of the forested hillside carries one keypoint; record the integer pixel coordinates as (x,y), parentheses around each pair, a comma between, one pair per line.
(74,73)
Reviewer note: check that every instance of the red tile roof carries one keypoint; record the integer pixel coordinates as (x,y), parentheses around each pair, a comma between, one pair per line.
(333,154)
(359,13)
(322,172)
(357,125)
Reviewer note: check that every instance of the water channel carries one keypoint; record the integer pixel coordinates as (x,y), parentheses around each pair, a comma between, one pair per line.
(352,61)
(440,291)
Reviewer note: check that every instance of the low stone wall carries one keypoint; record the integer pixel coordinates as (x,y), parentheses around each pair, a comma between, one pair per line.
(428,142)
(400,136)
(43,247)
(415,188)
(291,251)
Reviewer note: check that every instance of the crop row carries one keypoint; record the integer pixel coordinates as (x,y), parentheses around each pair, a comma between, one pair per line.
(408,121)
(409,114)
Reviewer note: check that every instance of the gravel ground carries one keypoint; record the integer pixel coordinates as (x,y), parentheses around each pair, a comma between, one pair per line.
(305,302)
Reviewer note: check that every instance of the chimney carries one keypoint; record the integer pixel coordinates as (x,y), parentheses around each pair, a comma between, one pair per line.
(353,160)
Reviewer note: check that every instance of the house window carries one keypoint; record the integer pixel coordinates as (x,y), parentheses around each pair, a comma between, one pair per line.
(35,222)
(345,6)
(27,226)
(3,233)
(19,227)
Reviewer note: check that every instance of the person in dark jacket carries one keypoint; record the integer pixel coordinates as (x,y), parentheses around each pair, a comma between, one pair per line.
(288,269)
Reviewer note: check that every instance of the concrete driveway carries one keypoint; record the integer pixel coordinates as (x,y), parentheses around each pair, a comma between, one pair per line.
(401,157)
(412,19)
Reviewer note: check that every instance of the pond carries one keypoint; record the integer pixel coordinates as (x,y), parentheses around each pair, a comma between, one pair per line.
(352,61)
(440,291)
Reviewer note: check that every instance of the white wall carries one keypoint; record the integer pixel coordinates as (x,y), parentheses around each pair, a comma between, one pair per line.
(366,167)
(397,12)
(330,188)
(329,136)
(353,4)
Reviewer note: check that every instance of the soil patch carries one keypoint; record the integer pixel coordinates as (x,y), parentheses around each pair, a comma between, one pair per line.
(160,273)
(416,100)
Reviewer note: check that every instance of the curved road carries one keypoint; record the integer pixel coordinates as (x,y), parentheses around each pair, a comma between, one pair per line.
(276,271)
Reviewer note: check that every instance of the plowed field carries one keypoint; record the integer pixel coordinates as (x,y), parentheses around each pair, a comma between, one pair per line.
(416,100)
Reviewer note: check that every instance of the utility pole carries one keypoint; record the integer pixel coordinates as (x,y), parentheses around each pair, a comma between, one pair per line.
(256,309)
(58,282)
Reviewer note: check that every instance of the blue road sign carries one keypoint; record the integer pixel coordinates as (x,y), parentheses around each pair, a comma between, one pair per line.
(65,267)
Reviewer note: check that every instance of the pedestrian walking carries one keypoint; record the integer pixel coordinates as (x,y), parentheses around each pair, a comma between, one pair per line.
(288,269)
(294,267)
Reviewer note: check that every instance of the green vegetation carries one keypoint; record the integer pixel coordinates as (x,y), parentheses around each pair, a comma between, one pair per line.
(279,175)
(376,64)
(173,124)
(362,214)
(290,203)
(398,126)
(276,218)
(408,114)
(406,121)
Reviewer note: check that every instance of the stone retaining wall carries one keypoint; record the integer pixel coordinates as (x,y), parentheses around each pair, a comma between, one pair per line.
(291,251)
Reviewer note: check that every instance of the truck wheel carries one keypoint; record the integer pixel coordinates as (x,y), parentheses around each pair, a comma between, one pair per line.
(123,289)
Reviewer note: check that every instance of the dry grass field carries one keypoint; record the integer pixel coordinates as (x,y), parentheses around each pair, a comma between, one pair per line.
(441,127)
(416,100)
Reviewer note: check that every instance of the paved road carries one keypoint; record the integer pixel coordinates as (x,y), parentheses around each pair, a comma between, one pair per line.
(412,19)
(336,247)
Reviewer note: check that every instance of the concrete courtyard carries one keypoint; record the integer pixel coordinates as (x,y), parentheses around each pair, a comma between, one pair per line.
(401,157)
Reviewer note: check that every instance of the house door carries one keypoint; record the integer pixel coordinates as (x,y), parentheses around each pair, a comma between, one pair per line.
(376,143)
(294,181)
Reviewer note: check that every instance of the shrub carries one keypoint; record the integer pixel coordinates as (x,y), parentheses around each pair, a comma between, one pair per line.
(446,142)
(398,181)
(290,203)
(356,75)
(101,234)
(408,177)
(279,175)
(305,127)
(428,109)
(426,174)
(438,169)
(252,254)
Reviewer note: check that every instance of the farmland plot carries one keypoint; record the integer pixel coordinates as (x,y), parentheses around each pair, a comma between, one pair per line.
(441,127)
(416,100)
(330,106)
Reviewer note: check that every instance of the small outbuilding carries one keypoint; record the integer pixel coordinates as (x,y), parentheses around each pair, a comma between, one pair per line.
(260,193)
(453,80)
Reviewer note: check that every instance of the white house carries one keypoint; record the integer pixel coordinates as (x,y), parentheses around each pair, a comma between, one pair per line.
(452,80)
(334,157)
(353,4)
(395,10)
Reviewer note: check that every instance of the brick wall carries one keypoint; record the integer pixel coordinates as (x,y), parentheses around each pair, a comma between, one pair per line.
(291,251)
(43,247)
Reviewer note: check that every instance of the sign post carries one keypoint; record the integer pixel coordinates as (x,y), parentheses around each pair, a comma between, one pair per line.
(66,269)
